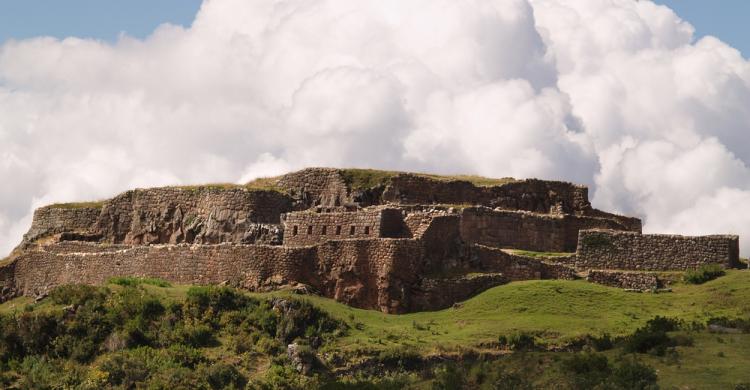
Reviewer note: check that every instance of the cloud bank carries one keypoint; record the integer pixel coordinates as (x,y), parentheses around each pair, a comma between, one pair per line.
(614,94)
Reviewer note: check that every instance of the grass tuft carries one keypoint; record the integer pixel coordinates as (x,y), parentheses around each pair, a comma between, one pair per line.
(78,205)
(128,281)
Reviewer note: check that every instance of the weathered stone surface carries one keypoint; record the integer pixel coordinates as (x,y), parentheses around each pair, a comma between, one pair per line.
(607,249)
(52,220)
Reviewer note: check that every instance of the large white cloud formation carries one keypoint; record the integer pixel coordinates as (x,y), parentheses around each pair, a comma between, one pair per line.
(610,93)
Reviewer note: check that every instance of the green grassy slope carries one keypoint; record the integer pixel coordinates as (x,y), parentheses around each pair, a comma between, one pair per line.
(555,311)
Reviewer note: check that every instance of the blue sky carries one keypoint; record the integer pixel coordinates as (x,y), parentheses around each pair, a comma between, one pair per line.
(106,19)
(101,19)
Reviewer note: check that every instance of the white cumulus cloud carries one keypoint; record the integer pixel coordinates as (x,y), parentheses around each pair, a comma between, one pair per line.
(615,94)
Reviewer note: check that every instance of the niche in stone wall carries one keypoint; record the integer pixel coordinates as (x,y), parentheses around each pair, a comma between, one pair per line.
(352,230)
(338,230)
(324,230)
(309,230)
(294,231)
(367,230)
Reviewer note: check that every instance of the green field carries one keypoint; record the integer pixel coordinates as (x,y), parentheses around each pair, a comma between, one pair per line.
(555,312)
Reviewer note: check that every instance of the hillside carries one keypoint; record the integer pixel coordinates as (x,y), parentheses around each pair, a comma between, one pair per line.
(560,316)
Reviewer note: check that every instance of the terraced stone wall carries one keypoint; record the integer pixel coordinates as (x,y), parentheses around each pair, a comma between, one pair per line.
(247,266)
(606,249)
(372,274)
(516,267)
(526,230)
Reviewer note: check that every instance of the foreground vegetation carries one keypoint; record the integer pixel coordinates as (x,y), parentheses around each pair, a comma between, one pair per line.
(136,333)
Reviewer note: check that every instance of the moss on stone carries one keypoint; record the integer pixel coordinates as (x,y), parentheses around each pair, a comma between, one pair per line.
(361,179)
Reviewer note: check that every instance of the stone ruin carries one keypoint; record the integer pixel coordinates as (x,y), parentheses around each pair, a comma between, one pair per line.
(394,242)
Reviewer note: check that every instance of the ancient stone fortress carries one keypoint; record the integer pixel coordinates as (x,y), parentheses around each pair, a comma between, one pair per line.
(395,242)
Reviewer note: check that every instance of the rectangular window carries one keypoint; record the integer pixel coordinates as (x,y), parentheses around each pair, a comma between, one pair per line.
(338,230)
(294,231)
(309,229)
(367,230)
(323,230)
(352,230)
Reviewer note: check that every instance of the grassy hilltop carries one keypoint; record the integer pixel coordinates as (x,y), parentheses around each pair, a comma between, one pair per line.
(150,334)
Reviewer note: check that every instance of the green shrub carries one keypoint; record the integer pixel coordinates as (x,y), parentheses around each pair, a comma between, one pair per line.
(630,374)
(587,371)
(78,294)
(520,341)
(448,377)
(704,274)
(222,376)
(652,338)
(404,357)
(734,323)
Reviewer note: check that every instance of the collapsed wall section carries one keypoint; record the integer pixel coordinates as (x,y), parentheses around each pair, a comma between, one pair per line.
(606,249)
(58,219)
(203,215)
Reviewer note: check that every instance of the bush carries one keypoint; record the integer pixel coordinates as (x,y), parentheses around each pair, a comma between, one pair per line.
(448,377)
(587,370)
(741,324)
(518,341)
(78,294)
(652,338)
(593,371)
(402,357)
(633,375)
(704,274)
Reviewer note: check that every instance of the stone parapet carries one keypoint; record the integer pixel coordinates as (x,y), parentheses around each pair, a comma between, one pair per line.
(607,249)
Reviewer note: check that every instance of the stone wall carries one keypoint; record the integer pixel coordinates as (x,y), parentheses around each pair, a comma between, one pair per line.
(516,267)
(441,293)
(606,249)
(374,274)
(640,281)
(52,220)
(316,187)
(310,227)
(530,195)
(246,266)
(526,230)
(203,215)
